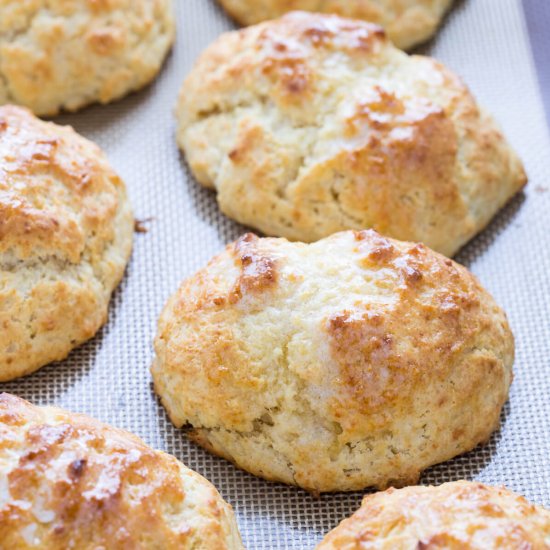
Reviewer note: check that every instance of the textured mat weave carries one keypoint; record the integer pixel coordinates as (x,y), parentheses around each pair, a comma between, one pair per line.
(483,40)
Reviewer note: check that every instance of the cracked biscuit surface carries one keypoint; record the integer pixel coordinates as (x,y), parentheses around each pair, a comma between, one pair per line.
(454,516)
(69,481)
(65,54)
(66,230)
(354,361)
(314,124)
(407,22)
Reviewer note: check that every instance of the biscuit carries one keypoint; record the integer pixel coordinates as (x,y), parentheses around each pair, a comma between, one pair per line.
(314,124)
(454,516)
(407,25)
(354,361)
(59,55)
(66,231)
(69,481)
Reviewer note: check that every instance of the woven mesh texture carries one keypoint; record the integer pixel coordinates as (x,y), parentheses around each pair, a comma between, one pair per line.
(487,43)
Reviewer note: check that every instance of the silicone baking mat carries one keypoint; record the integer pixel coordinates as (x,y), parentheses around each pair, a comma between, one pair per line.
(485,41)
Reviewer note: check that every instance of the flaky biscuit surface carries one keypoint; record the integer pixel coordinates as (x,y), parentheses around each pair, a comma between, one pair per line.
(313,124)
(65,54)
(69,481)
(354,361)
(66,231)
(407,23)
(455,516)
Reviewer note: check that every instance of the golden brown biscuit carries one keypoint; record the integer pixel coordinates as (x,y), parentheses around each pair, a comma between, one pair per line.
(65,237)
(314,124)
(407,23)
(65,54)
(355,361)
(69,481)
(454,516)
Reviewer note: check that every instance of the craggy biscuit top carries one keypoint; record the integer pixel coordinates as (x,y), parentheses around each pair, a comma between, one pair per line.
(288,55)
(354,340)
(58,195)
(312,124)
(65,237)
(68,481)
(378,348)
(407,23)
(65,54)
(454,516)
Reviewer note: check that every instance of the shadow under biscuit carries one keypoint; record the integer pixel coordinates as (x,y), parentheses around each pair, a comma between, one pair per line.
(95,120)
(114,119)
(426,48)
(205,204)
(253,498)
(51,384)
(483,241)
(469,465)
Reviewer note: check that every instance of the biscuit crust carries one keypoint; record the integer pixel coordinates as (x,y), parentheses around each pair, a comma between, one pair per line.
(66,230)
(69,481)
(351,362)
(65,54)
(455,516)
(407,23)
(314,124)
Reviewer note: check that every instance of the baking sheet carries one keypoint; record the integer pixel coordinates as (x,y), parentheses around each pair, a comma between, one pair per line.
(486,42)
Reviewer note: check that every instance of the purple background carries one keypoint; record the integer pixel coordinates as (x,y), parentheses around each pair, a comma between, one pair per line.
(537,13)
